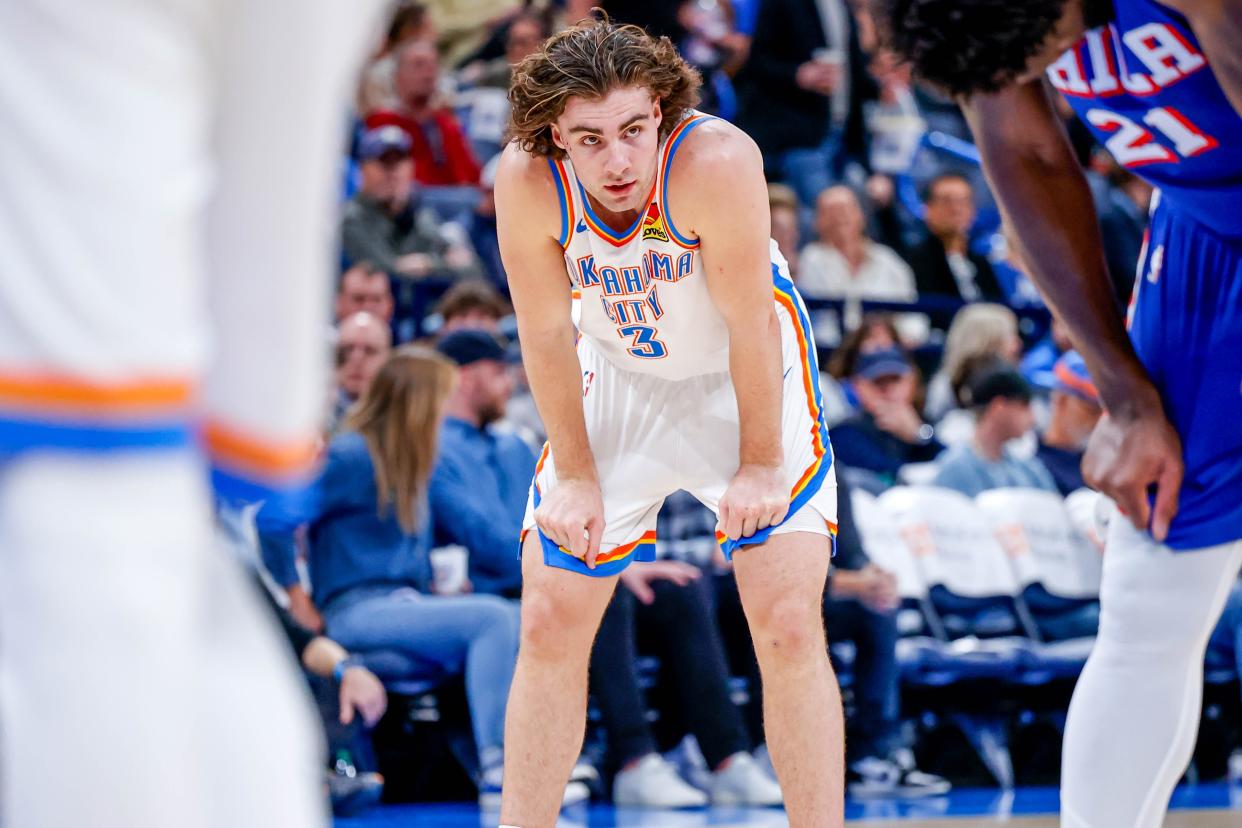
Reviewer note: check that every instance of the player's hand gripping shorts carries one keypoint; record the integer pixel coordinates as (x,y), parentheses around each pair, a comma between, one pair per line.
(651,437)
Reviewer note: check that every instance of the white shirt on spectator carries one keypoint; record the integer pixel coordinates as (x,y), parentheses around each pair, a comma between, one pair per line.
(823,273)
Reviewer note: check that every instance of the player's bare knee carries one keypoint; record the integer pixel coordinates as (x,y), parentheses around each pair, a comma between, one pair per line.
(551,629)
(788,630)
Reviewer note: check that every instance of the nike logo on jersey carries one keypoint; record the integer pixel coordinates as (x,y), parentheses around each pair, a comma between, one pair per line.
(581,228)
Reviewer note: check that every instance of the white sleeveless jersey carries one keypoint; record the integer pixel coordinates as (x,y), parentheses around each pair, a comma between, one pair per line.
(644,301)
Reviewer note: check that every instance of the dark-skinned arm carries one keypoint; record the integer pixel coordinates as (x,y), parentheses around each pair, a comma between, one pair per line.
(1217,25)
(1045,199)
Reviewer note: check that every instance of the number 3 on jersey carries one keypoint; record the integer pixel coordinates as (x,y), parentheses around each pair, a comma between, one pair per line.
(645,345)
(1134,146)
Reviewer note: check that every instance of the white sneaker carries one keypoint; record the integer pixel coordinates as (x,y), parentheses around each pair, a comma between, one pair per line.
(490,785)
(743,783)
(575,792)
(654,783)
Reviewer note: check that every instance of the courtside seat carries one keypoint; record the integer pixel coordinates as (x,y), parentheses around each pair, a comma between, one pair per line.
(1058,570)
(970,583)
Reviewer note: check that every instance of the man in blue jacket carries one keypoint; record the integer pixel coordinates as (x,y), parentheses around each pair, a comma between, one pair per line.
(480,483)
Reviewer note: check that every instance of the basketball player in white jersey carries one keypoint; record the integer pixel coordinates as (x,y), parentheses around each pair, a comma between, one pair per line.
(167,170)
(694,369)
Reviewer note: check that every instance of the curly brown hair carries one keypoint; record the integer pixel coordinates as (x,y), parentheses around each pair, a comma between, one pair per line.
(589,61)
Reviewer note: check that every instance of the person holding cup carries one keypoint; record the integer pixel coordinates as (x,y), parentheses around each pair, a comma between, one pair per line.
(369,531)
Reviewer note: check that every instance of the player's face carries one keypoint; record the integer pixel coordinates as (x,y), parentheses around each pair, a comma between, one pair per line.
(612,142)
(1067,32)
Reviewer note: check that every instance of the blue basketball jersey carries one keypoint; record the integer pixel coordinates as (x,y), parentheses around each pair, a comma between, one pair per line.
(1144,87)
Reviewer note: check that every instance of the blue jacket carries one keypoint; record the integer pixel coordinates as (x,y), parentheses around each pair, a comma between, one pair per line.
(478,499)
(350,544)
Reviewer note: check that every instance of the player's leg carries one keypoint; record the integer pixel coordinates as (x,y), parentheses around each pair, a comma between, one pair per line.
(546,716)
(1135,712)
(100,606)
(781,582)
(278,74)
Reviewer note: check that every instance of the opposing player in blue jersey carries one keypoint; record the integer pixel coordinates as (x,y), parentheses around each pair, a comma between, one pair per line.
(695,370)
(1161,86)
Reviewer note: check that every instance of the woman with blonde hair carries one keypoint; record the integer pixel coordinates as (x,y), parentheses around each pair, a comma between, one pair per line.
(979,333)
(369,532)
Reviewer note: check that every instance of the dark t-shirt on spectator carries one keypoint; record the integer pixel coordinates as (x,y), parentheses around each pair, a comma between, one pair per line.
(1064,465)
(859,443)
(934,274)
(441,153)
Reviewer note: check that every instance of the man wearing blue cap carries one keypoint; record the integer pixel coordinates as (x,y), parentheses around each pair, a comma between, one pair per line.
(1075,411)
(479,485)
(889,432)
(383,223)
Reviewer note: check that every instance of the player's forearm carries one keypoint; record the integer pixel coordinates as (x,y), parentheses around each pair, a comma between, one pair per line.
(755,364)
(1046,201)
(555,377)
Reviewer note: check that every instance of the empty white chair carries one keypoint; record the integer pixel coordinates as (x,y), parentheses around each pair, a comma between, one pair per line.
(884,544)
(951,541)
(1044,548)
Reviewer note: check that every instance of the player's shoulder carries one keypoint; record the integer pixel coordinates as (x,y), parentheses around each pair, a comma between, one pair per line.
(712,161)
(716,146)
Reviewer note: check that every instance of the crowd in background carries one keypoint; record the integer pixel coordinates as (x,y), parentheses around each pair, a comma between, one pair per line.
(963,381)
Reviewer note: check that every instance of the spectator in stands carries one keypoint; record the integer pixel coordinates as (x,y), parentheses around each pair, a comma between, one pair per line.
(665,607)
(801,92)
(409,21)
(523,35)
(351,698)
(474,305)
(944,264)
(483,233)
(384,224)
(1075,411)
(1001,400)
(979,332)
(843,263)
(464,26)
(876,332)
(786,226)
(368,536)
(363,343)
(1040,360)
(482,477)
(364,288)
(888,433)
(438,146)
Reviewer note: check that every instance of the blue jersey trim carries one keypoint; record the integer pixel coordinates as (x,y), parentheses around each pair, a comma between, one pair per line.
(20,435)
(562,198)
(786,287)
(668,165)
